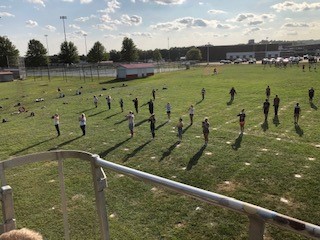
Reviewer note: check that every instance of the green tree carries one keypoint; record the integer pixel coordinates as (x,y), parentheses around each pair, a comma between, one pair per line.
(194,54)
(97,53)
(128,51)
(8,53)
(115,56)
(157,55)
(68,53)
(36,54)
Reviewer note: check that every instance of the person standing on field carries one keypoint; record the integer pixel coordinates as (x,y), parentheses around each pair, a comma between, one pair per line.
(95,101)
(121,104)
(232,93)
(136,104)
(311,94)
(203,93)
(266,106)
(168,110)
(130,118)
(152,120)
(205,130)
(268,92)
(83,123)
(179,127)
(242,118)
(108,98)
(276,102)
(191,114)
(150,104)
(154,94)
(56,121)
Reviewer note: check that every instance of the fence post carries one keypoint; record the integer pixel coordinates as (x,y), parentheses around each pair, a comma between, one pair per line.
(9,223)
(100,183)
(256,228)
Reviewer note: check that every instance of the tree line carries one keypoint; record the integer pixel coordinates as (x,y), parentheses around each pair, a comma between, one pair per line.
(37,54)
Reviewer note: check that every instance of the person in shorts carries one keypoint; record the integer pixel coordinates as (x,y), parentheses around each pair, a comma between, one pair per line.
(268,92)
(266,106)
(56,122)
(242,118)
(276,102)
(168,110)
(179,127)
(232,93)
(152,120)
(130,118)
(296,113)
(205,130)
(191,114)
(311,94)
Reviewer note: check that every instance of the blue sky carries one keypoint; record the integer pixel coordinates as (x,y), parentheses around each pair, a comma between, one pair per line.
(156,23)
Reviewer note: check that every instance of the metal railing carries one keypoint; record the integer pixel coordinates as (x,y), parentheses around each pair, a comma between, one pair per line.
(257,216)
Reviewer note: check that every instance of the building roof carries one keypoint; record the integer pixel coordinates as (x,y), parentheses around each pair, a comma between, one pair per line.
(6,73)
(137,65)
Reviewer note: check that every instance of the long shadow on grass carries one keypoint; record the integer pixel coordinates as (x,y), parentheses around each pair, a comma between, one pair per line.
(121,121)
(299,131)
(161,125)
(199,102)
(106,152)
(185,129)
(194,160)
(230,102)
(237,142)
(141,122)
(169,150)
(34,145)
(115,114)
(313,106)
(95,114)
(87,110)
(64,143)
(134,152)
(276,121)
(265,125)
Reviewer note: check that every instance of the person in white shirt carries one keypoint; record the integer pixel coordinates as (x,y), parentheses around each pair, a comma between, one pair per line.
(83,123)
(191,113)
(56,122)
(168,109)
(130,118)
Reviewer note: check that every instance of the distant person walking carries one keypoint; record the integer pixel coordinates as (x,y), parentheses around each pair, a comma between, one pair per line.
(130,118)
(83,123)
(95,101)
(56,122)
(242,118)
(136,104)
(232,93)
(268,92)
(311,94)
(180,127)
(205,130)
(152,120)
(203,93)
(154,94)
(109,99)
(276,103)
(150,104)
(266,106)
(191,114)
(296,113)
(168,110)
(121,104)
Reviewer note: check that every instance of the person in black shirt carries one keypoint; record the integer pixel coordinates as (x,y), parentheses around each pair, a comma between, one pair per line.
(311,94)
(242,118)
(150,103)
(136,106)
(276,102)
(266,106)
(232,93)
(268,92)
(152,121)
(296,113)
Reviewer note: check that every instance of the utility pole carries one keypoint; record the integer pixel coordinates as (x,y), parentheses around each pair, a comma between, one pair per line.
(64,28)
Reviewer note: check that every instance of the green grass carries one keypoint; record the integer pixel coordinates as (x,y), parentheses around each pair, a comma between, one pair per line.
(275,153)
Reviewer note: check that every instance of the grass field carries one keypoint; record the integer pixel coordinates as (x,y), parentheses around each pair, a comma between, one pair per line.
(274,165)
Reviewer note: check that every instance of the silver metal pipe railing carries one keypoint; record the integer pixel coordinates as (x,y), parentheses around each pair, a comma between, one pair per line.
(257,216)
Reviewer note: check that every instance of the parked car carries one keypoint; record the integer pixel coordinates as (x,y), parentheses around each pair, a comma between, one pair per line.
(237,61)
(226,61)
(252,61)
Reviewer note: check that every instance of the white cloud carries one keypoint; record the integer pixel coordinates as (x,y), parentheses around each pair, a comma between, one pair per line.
(85,1)
(104,27)
(182,23)
(133,20)
(201,3)
(163,2)
(252,19)
(50,28)
(142,34)
(215,11)
(249,31)
(67,0)
(6,14)
(255,22)
(39,2)
(292,33)
(224,26)
(294,25)
(31,23)
(74,26)
(295,7)
(82,19)
(112,6)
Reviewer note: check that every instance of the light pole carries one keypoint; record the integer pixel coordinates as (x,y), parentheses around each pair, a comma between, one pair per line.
(267,47)
(85,42)
(208,57)
(64,28)
(47,44)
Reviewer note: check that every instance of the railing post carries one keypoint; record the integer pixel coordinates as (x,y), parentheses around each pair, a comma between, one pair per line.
(256,228)
(63,198)
(100,183)
(9,223)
